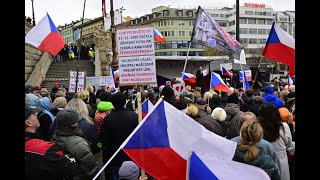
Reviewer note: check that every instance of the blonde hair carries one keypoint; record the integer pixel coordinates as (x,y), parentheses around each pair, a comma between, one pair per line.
(251,133)
(197,94)
(83,95)
(60,93)
(192,110)
(90,89)
(81,108)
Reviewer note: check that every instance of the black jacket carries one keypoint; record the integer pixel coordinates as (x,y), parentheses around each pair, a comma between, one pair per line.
(115,129)
(44,160)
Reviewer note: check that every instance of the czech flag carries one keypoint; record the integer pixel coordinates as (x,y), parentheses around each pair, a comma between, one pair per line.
(280,47)
(290,81)
(216,83)
(245,83)
(158,36)
(146,107)
(45,36)
(207,166)
(161,143)
(226,72)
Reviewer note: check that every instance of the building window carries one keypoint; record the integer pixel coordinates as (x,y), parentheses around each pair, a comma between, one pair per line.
(191,23)
(190,13)
(269,21)
(284,27)
(154,15)
(172,33)
(223,24)
(243,30)
(164,23)
(252,41)
(190,33)
(267,13)
(252,31)
(136,21)
(261,21)
(261,31)
(179,13)
(243,41)
(141,19)
(257,13)
(181,23)
(283,19)
(221,15)
(148,18)
(242,21)
(170,23)
(248,12)
(293,19)
(214,15)
(232,23)
(251,21)
(182,33)
(165,13)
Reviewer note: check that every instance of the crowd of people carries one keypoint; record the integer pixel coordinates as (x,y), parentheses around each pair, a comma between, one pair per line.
(71,53)
(65,131)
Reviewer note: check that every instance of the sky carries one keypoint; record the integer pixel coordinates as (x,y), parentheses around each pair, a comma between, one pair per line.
(65,11)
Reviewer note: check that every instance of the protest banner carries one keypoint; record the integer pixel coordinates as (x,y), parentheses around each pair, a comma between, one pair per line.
(72,81)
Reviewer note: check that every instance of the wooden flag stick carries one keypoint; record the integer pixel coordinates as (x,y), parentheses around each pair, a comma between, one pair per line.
(257,71)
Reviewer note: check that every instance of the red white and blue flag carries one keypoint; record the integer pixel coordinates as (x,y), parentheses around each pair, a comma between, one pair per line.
(146,107)
(210,167)
(188,77)
(290,81)
(245,83)
(280,47)
(226,72)
(161,143)
(158,36)
(216,83)
(45,36)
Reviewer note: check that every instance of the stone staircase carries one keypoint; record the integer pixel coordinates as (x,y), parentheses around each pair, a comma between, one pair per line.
(59,72)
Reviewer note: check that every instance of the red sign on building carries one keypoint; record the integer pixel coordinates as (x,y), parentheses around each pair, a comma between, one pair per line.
(254,5)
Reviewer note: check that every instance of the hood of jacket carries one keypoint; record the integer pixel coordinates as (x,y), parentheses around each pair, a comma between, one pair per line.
(270,97)
(231,109)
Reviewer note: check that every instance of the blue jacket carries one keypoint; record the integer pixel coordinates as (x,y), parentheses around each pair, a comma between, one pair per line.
(270,97)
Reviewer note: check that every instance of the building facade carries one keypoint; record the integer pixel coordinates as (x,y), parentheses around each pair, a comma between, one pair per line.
(176,25)
(67,30)
(286,20)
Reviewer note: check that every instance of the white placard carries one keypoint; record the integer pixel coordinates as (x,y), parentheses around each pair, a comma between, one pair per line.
(228,66)
(72,81)
(106,81)
(178,88)
(137,70)
(248,74)
(135,42)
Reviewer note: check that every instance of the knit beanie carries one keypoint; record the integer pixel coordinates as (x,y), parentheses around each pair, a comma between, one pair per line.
(129,171)
(104,106)
(66,117)
(284,114)
(118,100)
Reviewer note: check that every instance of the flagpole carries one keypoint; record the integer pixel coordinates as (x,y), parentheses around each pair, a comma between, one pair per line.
(84,7)
(185,63)
(140,116)
(255,76)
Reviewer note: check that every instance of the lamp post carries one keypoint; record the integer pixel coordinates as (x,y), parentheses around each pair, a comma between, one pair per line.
(113,36)
(121,10)
(33,20)
(237,20)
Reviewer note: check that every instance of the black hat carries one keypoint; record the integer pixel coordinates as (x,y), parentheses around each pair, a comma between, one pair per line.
(118,100)
(29,111)
(233,98)
(67,117)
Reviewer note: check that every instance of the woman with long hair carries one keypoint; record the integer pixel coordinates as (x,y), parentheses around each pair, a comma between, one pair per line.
(278,134)
(249,153)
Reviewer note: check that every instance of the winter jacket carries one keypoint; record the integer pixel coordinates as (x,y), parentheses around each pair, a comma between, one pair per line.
(266,147)
(231,124)
(210,124)
(115,129)
(45,160)
(71,141)
(263,161)
(270,97)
